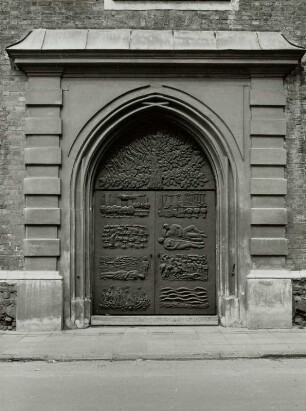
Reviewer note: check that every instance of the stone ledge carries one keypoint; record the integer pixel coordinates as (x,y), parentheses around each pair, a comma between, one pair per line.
(281,274)
(171,5)
(80,39)
(16,275)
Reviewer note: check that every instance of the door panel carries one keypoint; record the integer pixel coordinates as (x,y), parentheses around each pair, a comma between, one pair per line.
(124,247)
(154,252)
(185,253)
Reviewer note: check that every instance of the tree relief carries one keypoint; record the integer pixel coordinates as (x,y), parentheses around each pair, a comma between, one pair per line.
(158,160)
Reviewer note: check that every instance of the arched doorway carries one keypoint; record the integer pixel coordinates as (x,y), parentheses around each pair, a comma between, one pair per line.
(154,224)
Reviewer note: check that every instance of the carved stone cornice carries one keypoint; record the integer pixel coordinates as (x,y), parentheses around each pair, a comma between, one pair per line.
(156,53)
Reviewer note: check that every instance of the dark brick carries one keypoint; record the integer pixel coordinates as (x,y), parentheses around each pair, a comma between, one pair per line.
(8,294)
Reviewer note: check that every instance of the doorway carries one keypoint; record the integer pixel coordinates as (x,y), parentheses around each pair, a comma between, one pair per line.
(154,225)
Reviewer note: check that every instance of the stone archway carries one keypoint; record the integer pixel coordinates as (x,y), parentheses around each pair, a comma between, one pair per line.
(154,219)
(217,144)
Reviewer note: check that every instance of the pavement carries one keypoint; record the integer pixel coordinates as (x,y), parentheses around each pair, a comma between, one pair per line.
(231,385)
(152,343)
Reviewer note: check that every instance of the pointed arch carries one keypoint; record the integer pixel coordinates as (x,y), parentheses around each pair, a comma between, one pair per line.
(219,145)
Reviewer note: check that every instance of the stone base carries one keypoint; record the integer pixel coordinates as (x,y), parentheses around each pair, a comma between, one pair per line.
(39,300)
(269,303)
(154,320)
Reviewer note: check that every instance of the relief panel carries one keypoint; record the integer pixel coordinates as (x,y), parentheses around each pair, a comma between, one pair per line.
(124,268)
(182,205)
(176,237)
(124,298)
(145,162)
(183,267)
(125,236)
(124,205)
(183,297)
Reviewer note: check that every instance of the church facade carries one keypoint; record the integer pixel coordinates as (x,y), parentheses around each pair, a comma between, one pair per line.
(153,164)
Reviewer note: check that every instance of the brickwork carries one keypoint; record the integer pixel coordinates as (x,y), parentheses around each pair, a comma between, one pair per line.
(299,302)
(17,17)
(8,293)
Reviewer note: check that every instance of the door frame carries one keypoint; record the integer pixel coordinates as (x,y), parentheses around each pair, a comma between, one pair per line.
(232,195)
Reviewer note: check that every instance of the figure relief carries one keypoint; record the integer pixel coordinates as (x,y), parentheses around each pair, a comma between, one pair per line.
(176,237)
(124,268)
(183,297)
(125,205)
(124,298)
(125,236)
(183,267)
(182,205)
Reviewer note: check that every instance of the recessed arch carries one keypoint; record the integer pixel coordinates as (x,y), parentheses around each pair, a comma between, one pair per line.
(218,144)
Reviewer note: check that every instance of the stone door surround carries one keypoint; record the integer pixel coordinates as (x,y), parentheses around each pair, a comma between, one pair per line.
(57,218)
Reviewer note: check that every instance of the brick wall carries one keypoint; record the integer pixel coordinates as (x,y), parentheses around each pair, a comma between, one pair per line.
(17,17)
(299,302)
(8,294)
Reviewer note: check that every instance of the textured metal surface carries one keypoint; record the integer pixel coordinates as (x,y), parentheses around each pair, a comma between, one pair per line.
(155,239)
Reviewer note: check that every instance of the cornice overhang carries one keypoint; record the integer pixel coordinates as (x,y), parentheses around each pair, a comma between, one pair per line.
(157,53)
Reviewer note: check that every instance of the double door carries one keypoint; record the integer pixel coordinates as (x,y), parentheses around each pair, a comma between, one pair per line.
(154,252)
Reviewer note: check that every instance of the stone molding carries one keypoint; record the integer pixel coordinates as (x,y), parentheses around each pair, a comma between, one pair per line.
(75,51)
(281,274)
(29,275)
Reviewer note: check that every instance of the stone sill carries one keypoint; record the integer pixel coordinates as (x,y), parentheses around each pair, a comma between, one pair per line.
(220,5)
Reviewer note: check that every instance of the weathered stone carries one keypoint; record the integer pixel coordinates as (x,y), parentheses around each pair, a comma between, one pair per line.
(11,311)
(301,305)
(7,305)
(40,307)
(269,303)
(299,300)
(298,320)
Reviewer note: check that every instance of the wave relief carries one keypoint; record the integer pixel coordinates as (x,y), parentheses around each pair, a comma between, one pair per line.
(184,297)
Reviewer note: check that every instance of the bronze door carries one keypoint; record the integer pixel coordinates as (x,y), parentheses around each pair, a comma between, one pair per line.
(185,252)
(154,226)
(124,249)
(155,252)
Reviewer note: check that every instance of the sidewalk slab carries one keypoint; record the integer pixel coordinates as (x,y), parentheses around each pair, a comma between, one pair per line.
(151,343)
